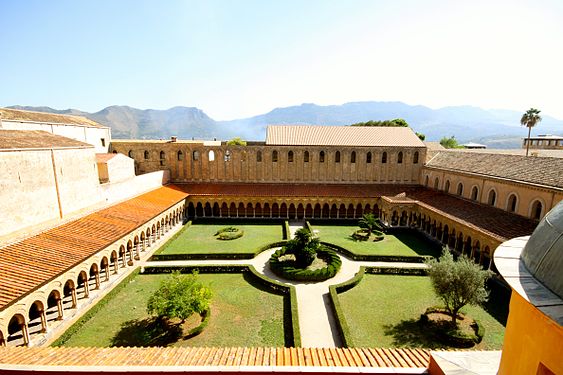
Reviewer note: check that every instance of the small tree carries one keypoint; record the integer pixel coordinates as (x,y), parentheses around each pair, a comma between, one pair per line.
(370,223)
(179,296)
(450,142)
(458,283)
(304,247)
(237,141)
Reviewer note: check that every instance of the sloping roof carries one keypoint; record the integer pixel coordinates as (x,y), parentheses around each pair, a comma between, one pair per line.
(537,170)
(27,264)
(326,359)
(104,158)
(36,139)
(361,136)
(434,146)
(52,118)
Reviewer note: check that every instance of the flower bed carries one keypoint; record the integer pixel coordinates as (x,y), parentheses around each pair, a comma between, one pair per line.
(229,233)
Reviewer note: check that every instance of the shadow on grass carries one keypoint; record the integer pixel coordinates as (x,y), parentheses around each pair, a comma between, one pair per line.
(418,243)
(413,333)
(147,332)
(498,302)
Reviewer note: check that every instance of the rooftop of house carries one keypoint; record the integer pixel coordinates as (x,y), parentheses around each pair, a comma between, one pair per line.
(10,114)
(358,136)
(543,171)
(27,264)
(36,139)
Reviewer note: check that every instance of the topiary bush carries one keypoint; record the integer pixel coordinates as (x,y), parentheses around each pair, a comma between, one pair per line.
(290,270)
(229,233)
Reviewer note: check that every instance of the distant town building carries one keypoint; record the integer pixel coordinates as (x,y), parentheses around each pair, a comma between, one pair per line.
(472,145)
(545,142)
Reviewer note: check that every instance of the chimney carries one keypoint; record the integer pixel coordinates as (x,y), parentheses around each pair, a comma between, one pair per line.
(173,138)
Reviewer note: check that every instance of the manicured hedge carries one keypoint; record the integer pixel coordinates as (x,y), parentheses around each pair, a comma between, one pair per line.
(212,268)
(293,273)
(93,310)
(397,271)
(377,258)
(204,322)
(218,256)
(452,336)
(286,230)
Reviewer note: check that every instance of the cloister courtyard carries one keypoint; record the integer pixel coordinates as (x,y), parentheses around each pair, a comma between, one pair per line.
(253,307)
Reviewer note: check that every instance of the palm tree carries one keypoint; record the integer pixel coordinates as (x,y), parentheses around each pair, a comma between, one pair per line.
(371,223)
(530,119)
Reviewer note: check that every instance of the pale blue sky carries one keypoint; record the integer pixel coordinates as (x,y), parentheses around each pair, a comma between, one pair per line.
(241,58)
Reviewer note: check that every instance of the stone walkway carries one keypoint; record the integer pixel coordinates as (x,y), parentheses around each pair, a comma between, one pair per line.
(316,320)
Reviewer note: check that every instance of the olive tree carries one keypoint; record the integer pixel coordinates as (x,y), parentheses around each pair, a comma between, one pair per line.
(179,296)
(458,283)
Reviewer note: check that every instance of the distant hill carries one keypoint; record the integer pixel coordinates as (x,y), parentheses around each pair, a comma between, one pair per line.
(497,128)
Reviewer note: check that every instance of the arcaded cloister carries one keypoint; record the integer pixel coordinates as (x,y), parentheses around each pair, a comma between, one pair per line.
(82,230)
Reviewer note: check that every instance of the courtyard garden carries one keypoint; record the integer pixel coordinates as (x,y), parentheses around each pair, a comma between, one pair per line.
(240,315)
(385,311)
(396,243)
(208,238)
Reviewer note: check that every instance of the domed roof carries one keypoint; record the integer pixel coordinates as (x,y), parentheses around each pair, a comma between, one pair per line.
(543,254)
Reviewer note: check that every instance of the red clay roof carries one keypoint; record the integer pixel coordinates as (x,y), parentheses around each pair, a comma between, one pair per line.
(319,357)
(27,264)
(362,136)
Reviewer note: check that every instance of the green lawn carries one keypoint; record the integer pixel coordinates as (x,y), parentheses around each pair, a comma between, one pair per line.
(382,311)
(241,315)
(200,239)
(402,243)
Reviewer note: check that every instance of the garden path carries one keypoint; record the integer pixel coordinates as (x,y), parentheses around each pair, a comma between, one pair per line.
(316,320)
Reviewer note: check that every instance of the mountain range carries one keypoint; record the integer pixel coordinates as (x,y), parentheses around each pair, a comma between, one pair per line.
(495,128)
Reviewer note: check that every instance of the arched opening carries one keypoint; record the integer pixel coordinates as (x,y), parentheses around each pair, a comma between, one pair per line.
(474,193)
(467,247)
(283,210)
(446,235)
(384,158)
(342,211)
(249,210)
(367,209)
(241,210)
(211,155)
(180,155)
(199,209)
(290,156)
(447,186)
(274,156)
(353,157)
(224,210)
(94,277)
(216,210)
(477,252)
(300,211)
(537,210)
(191,209)
(146,154)
(162,157)
(426,181)
(82,289)
(368,158)
(337,157)
(18,334)
(321,157)
(37,322)
(259,156)
(460,189)
(400,158)
(130,154)
(309,210)
(195,155)
(258,210)
(104,268)
(359,211)
(275,210)
(325,211)
(317,211)
(114,262)
(292,214)
(415,158)
(267,211)
(486,258)
(54,306)
(492,199)
(333,211)
(350,211)
(69,295)
(436,183)
(207,211)
(306,157)
(512,203)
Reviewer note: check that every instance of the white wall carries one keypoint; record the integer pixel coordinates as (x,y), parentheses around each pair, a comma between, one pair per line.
(118,191)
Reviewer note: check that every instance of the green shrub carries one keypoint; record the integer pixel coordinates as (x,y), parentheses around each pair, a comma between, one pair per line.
(204,322)
(288,269)
(229,233)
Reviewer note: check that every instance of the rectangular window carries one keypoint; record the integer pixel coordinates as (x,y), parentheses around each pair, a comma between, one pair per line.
(103,142)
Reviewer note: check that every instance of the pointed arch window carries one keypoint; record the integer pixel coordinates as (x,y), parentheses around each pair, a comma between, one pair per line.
(415,158)
(180,156)
(337,157)
(400,158)
(211,155)
(274,156)
(384,158)
(306,157)
(146,155)
(259,156)
(322,157)
(195,155)
(130,154)
(290,157)
(368,158)
(353,157)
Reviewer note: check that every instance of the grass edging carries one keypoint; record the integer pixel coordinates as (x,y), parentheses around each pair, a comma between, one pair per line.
(215,256)
(341,323)
(378,258)
(62,339)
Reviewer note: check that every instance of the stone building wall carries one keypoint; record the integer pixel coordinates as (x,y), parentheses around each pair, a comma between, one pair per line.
(192,162)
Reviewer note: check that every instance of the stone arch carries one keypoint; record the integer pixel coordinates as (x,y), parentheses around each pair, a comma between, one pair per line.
(104,268)
(146,155)
(476,253)
(130,154)
(211,155)
(321,157)
(309,210)
(359,211)
(290,156)
(367,208)
(275,156)
(224,210)
(195,155)
(82,288)
(129,252)
(459,243)
(337,157)
(300,211)
(306,157)
(436,183)
(452,239)
(216,210)
(191,209)
(267,212)
(275,210)
(400,157)
(241,210)
(384,157)
(486,257)
(69,295)
(283,210)
(492,197)
(94,276)
(317,212)
(536,209)
(54,306)
(512,202)
(350,211)
(368,157)
(258,210)
(180,155)
(37,319)
(446,235)
(426,180)
(342,211)
(333,211)
(474,193)
(207,211)
(199,210)
(447,186)
(249,210)
(258,156)
(415,158)
(114,261)
(18,333)
(325,213)
(467,248)
(353,157)
(292,211)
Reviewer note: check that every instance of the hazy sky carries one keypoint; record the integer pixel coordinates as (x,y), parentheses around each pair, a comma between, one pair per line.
(241,58)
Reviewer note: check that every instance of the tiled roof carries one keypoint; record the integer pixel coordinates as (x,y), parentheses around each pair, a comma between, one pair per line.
(104,158)
(434,146)
(497,223)
(295,190)
(537,170)
(52,118)
(363,136)
(406,358)
(27,264)
(36,139)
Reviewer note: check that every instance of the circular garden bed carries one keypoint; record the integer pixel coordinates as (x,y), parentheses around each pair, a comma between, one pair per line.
(326,265)
(466,334)
(229,233)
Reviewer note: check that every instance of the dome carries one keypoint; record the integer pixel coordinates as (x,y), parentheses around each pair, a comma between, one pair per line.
(543,254)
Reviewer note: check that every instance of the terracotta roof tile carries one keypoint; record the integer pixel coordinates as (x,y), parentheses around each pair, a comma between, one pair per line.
(52,118)
(537,170)
(368,136)
(36,139)
(206,357)
(27,264)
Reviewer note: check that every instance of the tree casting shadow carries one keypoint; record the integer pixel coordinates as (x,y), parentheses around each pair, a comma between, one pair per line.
(147,332)
(413,333)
